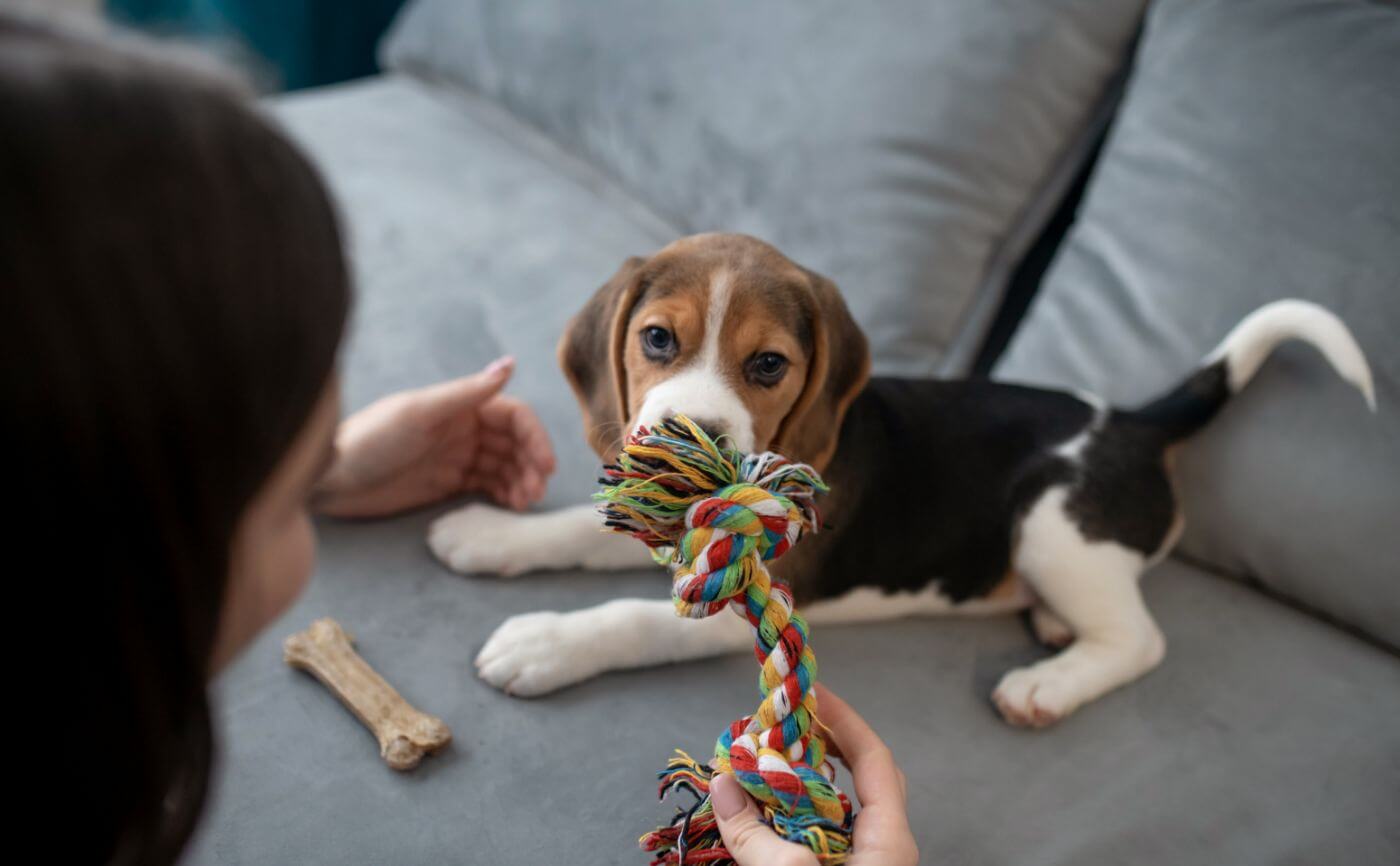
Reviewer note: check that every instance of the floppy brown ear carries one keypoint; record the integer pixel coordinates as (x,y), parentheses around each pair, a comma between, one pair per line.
(590,353)
(839,369)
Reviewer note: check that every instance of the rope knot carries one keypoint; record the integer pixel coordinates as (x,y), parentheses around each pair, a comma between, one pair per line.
(723,515)
(724,533)
(772,520)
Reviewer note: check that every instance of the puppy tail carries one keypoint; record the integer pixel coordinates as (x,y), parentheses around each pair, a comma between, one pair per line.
(1229,367)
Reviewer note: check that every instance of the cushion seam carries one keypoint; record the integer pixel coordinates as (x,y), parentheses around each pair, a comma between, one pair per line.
(1034,216)
(1308,610)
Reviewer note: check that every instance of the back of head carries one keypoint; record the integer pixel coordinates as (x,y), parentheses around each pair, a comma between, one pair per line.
(172,295)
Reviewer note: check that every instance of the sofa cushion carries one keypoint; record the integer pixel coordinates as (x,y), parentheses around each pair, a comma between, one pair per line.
(1265,737)
(898,148)
(470,235)
(1255,158)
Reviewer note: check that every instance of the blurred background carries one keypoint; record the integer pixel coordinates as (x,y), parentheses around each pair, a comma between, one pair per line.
(281,44)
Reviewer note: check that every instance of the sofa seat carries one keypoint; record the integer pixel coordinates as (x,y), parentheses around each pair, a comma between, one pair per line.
(1267,736)
(1259,711)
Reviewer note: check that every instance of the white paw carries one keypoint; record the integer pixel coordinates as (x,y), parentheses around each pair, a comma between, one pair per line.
(1049,628)
(1036,696)
(483,539)
(537,653)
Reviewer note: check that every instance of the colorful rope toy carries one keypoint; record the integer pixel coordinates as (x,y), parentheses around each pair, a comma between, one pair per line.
(718,515)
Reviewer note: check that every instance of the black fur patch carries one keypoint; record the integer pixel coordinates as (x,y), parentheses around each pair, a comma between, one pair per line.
(932,478)
(1121,491)
(1189,406)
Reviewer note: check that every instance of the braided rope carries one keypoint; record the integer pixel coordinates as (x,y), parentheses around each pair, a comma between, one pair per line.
(721,515)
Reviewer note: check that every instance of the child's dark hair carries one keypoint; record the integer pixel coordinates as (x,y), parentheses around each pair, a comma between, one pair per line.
(172,296)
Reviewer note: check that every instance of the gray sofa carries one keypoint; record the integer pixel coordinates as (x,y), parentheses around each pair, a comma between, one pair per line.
(918,153)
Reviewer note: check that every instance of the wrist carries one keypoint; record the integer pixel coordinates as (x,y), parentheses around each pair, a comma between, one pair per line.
(334,485)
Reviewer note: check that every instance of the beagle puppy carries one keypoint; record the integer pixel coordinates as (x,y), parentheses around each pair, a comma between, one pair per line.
(947,497)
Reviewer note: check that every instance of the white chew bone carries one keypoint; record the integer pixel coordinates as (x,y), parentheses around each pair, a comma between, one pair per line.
(405,734)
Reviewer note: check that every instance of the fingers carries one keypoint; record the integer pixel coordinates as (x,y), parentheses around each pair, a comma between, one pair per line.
(515,418)
(502,490)
(511,457)
(422,445)
(883,824)
(871,762)
(511,434)
(445,399)
(749,840)
(492,463)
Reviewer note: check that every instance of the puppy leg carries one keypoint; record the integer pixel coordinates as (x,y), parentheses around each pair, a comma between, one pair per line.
(489,540)
(535,653)
(1093,587)
(1049,628)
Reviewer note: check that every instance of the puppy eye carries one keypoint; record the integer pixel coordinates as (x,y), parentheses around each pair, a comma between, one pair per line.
(658,343)
(768,368)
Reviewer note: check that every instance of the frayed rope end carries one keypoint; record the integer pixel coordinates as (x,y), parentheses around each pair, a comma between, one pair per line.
(693,836)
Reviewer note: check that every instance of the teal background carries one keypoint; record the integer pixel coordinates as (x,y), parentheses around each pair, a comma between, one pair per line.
(301,43)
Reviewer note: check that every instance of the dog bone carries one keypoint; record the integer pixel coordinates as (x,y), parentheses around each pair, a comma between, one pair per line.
(405,734)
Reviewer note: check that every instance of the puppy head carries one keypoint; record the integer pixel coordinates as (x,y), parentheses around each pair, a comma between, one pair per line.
(726,330)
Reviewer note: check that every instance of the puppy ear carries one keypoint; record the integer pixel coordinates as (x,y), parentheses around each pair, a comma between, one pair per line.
(839,369)
(591,356)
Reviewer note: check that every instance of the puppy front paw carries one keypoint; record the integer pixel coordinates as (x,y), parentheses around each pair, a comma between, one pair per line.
(1035,697)
(536,653)
(484,539)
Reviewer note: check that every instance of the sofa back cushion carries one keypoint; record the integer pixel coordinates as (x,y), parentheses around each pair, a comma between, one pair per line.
(1256,156)
(909,149)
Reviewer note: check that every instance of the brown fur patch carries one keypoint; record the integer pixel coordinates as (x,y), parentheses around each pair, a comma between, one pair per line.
(681,309)
(1010,586)
(764,313)
(753,324)
(772,305)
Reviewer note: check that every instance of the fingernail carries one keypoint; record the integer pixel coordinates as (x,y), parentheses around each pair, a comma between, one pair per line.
(496,367)
(727,797)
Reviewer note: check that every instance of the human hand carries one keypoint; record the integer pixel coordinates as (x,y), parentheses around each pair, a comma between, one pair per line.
(882,834)
(426,444)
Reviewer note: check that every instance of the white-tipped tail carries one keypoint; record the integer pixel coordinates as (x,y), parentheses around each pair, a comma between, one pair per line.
(1250,342)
